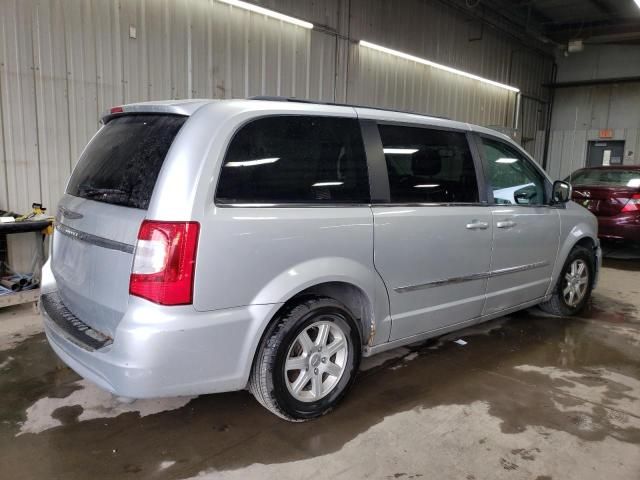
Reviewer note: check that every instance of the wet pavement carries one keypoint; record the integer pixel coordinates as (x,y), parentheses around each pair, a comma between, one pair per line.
(529,396)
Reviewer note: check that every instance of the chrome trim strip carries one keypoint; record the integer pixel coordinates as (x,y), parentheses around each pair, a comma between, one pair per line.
(343,205)
(519,268)
(289,205)
(433,204)
(473,276)
(94,239)
(446,281)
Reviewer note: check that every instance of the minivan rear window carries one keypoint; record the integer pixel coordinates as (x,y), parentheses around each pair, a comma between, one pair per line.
(121,164)
(295,159)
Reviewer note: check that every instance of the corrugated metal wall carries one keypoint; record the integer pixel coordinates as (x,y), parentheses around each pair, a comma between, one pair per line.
(63,62)
(580,112)
(568,148)
(384,80)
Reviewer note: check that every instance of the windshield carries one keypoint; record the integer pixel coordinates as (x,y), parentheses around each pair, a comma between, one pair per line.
(606,178)
(121,164)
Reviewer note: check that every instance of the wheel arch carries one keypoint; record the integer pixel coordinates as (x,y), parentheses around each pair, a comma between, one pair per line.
(352,296)
(578,236)
(354,284)
(357,302)
(586,242)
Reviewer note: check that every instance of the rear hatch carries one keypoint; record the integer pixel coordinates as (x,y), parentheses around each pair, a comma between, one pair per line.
(101,212)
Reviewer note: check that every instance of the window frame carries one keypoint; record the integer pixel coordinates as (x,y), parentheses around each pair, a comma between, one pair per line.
(256,204)
(380,189)
(547,184)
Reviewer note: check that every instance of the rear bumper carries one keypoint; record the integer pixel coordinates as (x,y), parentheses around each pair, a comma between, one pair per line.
(168,351)
(620,227)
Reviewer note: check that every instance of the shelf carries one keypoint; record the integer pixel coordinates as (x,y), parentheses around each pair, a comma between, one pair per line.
(18,298)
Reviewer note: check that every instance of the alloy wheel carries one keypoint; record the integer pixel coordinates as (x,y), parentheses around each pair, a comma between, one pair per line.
(316,361)
(576,281)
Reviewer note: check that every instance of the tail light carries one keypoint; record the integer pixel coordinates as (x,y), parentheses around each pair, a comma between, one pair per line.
(633,205)
(164,262)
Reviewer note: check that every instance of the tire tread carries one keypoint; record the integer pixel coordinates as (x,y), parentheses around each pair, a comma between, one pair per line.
(260,381)
(555,305)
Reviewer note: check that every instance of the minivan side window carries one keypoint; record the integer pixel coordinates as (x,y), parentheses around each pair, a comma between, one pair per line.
(512,178)
(428,166)
(295,159)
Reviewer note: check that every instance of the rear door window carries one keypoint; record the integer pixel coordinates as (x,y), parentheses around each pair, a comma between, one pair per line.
(121,164)
(428,166)
(295,159)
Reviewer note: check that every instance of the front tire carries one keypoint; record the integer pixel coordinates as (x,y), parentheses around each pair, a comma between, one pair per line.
(574,285)
(307,360)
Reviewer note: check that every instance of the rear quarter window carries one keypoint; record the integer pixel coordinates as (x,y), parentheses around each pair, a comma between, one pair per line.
(121,164)
(295,159)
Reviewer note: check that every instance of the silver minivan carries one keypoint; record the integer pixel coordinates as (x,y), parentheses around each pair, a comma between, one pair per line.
(215,245)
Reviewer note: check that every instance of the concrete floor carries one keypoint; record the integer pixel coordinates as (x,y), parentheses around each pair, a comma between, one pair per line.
(529,397)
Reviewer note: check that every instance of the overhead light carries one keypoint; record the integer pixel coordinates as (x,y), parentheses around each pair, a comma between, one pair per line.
(637,3)
(427,185)
(269,13)
(327,184)
(251,163)
(506,160)
(406,56)
(575,46)
(400,151)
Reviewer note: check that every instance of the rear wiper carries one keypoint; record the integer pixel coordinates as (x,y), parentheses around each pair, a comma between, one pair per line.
(101,192)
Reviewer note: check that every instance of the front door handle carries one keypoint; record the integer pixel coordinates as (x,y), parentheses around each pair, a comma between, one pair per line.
(475,225)
(506,224)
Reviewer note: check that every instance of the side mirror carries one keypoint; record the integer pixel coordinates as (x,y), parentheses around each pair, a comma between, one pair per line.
(561,192)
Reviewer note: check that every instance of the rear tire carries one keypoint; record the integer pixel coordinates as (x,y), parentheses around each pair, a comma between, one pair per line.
(307,360)
(574,285)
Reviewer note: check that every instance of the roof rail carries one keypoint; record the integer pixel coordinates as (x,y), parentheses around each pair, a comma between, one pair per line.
(317,102)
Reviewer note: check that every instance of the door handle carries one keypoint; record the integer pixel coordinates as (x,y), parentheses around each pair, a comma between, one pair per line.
(506,224)
(475,225)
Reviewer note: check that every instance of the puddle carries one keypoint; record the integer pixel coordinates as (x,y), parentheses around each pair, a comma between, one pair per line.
(17,323)
(88,402)
(6,362)
(571,379)
(605,309)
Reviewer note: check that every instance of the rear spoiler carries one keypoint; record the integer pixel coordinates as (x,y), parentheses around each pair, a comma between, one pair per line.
(178,107)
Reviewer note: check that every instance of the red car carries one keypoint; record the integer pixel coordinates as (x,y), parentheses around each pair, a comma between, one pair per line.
(613,195)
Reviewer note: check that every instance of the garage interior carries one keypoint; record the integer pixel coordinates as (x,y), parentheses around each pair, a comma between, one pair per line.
(525,396)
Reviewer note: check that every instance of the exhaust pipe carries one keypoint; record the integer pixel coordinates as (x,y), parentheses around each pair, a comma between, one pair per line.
(11,285)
